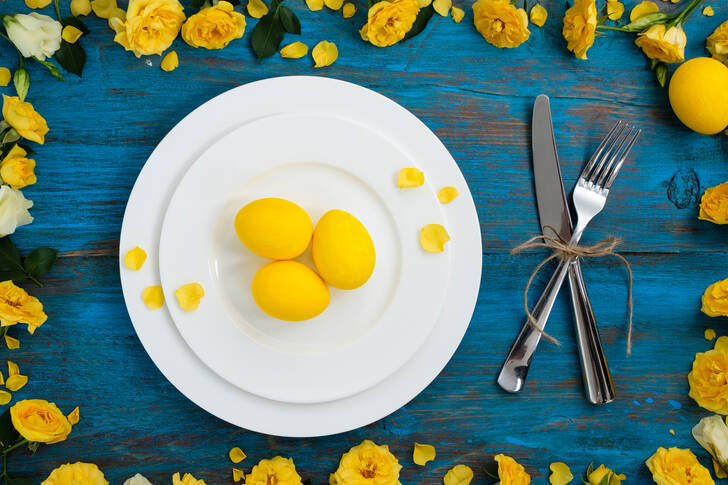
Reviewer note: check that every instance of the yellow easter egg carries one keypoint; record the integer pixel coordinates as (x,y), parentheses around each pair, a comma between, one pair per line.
(342,250)
(289,290)
(699,95)
(274,228)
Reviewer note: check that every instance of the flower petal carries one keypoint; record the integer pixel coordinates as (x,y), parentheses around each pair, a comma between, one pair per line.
(644,8)
(560,474)
(16,382)
(236,455)
(721,345)
(295,50)
(74,416)
(315,5)
(189,296)
(238,475)
(708,11)
(153,297)
(256,8)
(458,475)
(442,7)
(334,4)
(615,9)
(13,369)
(135,258)
(5,397)
(433,238)
(410,177)
(170,62)
(5,76)
(324,54)
(457,14)
(11,342)
(538,15)
(423,453)
(709,334)
(349,10)
(447,194)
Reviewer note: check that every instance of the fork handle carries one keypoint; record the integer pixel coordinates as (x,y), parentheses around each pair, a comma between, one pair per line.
(595,371)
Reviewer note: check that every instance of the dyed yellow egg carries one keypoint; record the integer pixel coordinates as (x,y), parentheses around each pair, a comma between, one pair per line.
(289,290)
(274,228)
(342,250)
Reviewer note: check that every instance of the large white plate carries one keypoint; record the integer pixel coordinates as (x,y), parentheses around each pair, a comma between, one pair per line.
(369,332)
(143,220)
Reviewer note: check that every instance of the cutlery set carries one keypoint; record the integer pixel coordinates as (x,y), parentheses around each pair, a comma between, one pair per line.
(589,198)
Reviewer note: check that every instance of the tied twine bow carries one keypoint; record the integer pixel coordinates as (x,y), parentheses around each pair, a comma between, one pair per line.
(562,250)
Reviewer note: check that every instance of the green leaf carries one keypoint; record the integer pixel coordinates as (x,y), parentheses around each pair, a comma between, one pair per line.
(19,481)
(267,35)
(643,23)
(290,22)
(71,57)
(40,261)
(11,267)
(8,433)
(661,74)
(197,3)
(10,136)
(21,80)
(420,22)
(51,68)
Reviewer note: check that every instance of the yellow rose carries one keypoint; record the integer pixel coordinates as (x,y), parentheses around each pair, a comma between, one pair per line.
(76,474)
(598,476)
(510,472)
(714,204)
(715,299)
(16,170)
(389,21)
(367,463)
(278,470)
(501,23)
(17,306)
(663,45)
(580,26)
(150,26)
(708,379)
(677,467)
(214,27)
(187,479)
(24,119)
(717,43)
(40,421)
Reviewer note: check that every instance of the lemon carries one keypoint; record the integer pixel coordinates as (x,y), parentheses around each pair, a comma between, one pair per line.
(274,228)
(342,250)
(289,290)
(699,95)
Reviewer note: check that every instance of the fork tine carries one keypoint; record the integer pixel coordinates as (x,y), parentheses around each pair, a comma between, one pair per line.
(614,155)
(613,175)
(604,145)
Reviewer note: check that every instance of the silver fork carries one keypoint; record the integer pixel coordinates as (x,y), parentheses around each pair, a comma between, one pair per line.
(590,196)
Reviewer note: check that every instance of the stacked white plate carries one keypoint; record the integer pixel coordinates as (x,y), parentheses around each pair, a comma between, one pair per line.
(323,144)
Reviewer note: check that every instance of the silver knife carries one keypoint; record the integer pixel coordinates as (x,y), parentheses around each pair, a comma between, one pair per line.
(556,222)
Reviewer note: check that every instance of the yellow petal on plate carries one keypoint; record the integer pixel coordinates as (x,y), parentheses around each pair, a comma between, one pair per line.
(447,194)
(315,5)
(236,455)
(153,297)
(458,475)
(641,9)
(170,62)
(560,474)
(189,296)
(256,8)
(238,475)
(5,397)
(334,4)
(13,369)
(11,342)
(74,416)
(719,472)
(709,334)
(423,453)
(135,258)
(349,10)
(295,50)
(708,11)
(615,9)
(324,53)
(16,382)
(71,34)
(538,15)
(410,177)
(433,238)
(442,7)
(457,14)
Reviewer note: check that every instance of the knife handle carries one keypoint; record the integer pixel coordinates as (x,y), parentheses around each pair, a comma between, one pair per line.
(597,378)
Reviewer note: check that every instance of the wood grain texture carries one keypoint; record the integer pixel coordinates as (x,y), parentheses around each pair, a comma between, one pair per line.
(478,100)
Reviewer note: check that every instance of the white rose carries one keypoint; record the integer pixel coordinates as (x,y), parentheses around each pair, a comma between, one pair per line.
(13,210)
(712,434)
(137,479)
(34,35)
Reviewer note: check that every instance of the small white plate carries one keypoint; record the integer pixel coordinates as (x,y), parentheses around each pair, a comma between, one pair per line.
(320,163)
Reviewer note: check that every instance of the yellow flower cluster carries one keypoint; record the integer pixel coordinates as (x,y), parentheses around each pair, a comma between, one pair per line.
(662,44)
(366,463)
(717,43)
(150,26)
(708,378)
(501,23)
(580,24)
(278,470)
(676,466)
(214,27)
(40,421)
(17,306)
(511,472)
(715,299)
(24,119)
(76,473)
(389,21)
(714,204)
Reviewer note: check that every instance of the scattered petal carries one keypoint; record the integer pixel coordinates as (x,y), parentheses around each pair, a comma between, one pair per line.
(37,3)
(236,455)
(256,8)
(672,431)
(11,342)
(13,369)
(538,15)
(458,475)
(16,382)
(423,453)
(560,474)
(719,472)
(442,7)
(5,76)
(324,54)
(457,14)
(641,9)
(80,7)
(447,194)
(135,258)
(189,296)
(349,10)
(103,8)
(708,11)
(71,34)
(295,50)
(5,397)
(423,3)
(615,9)
(410,177)
(315,5)
(334,4)
(238,475)
(170,62)
(153,297)
(709,334)
(74,416)
(2,379)
(433,238)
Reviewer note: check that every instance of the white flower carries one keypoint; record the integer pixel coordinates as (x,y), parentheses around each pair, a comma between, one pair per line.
(13,210)
(712,434)
(34,35)
(137,479)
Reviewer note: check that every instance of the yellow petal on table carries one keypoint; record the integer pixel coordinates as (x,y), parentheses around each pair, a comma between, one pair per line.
(71,34)
(709,334)
(153,297)
(170,62)
(457,14)
(256,8)
(644,8)
(334,4)
(295,50)
(447,194)
(238,475)
(708,11)
(324,54)
(13,369)
(423,453)
(719,472)
(315,5)
(74,416)
(349,10)
(721,345)
(135,258)
(236,455)
(560,474)
(37,3)
(5,76)
(442,7)
(671,431)
(103,8)
(11,342)
(458,475)
(433,238)
(117,13)
(189,296)
(538,15)
(5,397)
(410,177)
(423,3)
(16,382)
(2,379)
(615,9)
(80,7)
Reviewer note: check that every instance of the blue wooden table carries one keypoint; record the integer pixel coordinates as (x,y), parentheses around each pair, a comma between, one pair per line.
(478,100)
